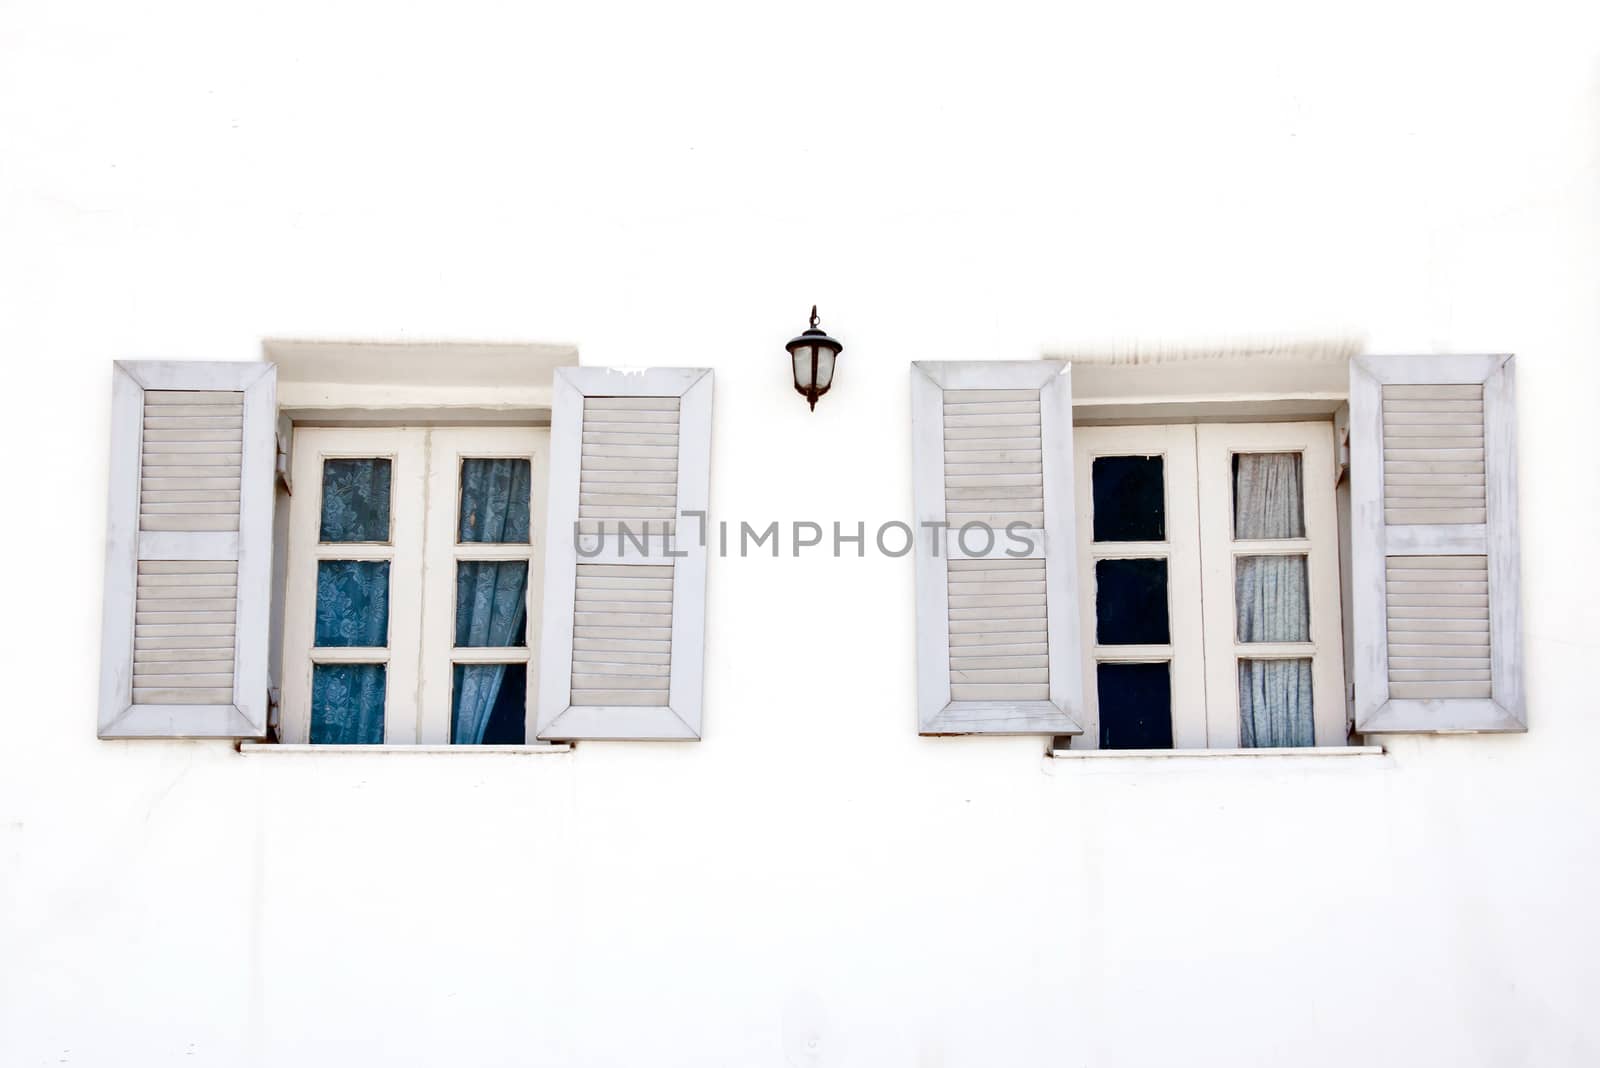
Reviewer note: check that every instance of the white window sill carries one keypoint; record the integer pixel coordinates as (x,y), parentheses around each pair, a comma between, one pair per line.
(1358,753)
(272,749)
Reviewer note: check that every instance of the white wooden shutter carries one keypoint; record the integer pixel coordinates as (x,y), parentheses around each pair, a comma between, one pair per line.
(188,551)
(1438,629)
(997,618)
(622,652)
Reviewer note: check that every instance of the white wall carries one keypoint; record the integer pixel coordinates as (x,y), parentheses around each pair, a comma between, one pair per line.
(677,183)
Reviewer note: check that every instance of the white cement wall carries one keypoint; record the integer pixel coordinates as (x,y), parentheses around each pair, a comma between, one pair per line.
(812,884)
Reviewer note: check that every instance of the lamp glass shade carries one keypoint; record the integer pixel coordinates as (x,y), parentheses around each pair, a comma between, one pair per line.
(825,357)
(802,366)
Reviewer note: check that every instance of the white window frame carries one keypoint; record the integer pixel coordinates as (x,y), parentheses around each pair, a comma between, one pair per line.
(1201,553)
(1217,443)
(1175,445)
(423,551)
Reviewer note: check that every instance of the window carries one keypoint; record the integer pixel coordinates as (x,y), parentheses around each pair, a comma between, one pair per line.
(414,585)
(413,609)
(1210,606)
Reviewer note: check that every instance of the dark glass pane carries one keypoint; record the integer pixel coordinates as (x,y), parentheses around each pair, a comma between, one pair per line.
(1129,503)
(491,602)
(1270,595)
(1267,495)
(352,602)
(347,704)
(490,705)
(1135,706)
(1275,703)
(494,501)
(355,500)
(1131,602)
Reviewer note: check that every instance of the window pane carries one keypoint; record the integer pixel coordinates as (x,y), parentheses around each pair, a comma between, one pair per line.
(1270,592)
(347,704)
(352,603)
(1135,706)
(1275,703)
(490,705)
(355,500)
(1266,495)
(1129,504)
(494,501)
(1131,602)
(491,602)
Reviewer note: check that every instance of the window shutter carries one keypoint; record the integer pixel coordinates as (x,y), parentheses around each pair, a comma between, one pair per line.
(1438,626)
(997,618)
(622,653)
(188,551)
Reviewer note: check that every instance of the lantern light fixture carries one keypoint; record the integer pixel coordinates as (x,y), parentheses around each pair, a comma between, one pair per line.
(814,354)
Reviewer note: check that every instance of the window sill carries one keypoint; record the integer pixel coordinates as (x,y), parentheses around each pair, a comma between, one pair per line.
(275,749)
(1361,754)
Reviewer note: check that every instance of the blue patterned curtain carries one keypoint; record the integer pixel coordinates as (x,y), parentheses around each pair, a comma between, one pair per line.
(347,700)
(491,596)
(347,703)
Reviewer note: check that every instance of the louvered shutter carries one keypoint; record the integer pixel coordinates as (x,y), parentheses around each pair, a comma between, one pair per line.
(188,551)
(997,617)
(622,652)
(1438,629)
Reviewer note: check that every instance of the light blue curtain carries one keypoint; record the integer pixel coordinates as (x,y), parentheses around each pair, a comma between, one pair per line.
(347,700)
(1273,606)
(352,603)
(491,596)
(355,500)
(494,500)
(347,704)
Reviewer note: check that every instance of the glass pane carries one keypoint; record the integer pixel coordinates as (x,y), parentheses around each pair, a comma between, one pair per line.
(1131,602)
(491,705)
(355,500)
(491,602)
(352,603)
(1270,592)
(494,501)
(1129,504)
(347,704)
(1266,495)
(1275,703)
(1135,706)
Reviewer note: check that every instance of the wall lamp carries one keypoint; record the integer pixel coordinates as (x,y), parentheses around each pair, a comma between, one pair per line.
(814,353)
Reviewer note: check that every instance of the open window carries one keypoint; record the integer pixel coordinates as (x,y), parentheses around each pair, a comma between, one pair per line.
(1212,607)
(413,563)
(1278,548)
(395,584)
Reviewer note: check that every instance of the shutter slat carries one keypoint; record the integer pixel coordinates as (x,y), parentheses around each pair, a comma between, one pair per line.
(999,691)
(184,624)
(171,434)
(182,696)
(1418,610)
(620,697)
(629,404)
(996,633)
(1424,441)
(1000,603)
(615,606)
